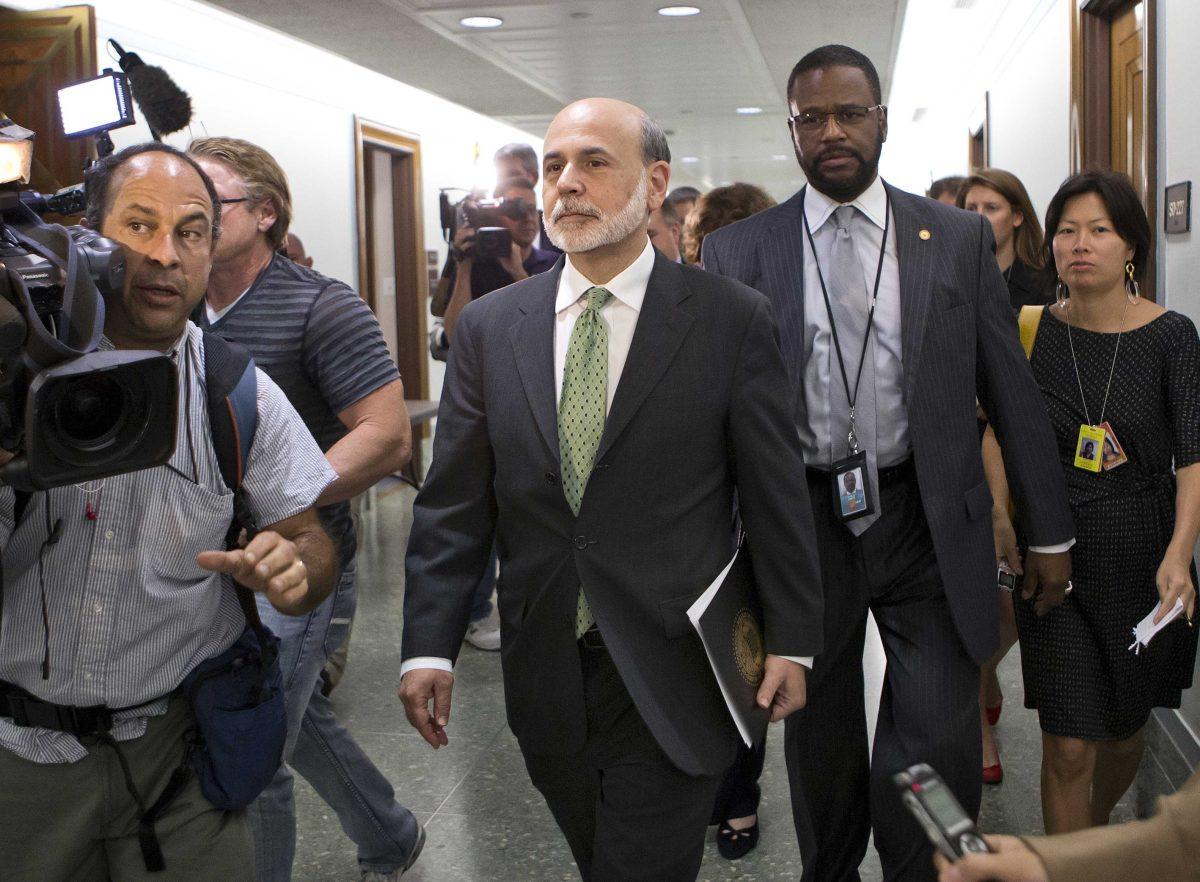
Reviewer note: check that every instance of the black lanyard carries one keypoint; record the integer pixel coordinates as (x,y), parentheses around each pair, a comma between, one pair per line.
(851,396)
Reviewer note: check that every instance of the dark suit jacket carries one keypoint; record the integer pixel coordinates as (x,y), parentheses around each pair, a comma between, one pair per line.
(959,341)
(700,413)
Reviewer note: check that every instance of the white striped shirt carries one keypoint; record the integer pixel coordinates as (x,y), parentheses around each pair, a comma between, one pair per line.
(130,612)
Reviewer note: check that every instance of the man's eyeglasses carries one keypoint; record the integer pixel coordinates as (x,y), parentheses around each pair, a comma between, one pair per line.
(847,116)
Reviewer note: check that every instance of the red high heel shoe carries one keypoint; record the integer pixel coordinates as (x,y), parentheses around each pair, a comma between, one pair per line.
(993,713)
(993,774)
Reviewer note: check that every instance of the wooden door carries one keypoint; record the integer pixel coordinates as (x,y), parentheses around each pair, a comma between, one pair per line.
(1113,117)
(1127,121)
(391,254)
(977,151)
(41,52)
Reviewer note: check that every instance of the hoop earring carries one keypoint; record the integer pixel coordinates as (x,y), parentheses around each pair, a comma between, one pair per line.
(1131,285)
(1060,294)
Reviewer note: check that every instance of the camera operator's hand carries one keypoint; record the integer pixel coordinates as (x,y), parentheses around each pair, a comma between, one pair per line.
(513,264)
(463,245)
(269,565)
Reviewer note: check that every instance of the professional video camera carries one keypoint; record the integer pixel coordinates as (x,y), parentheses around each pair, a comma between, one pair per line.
(70,411)
(492,238)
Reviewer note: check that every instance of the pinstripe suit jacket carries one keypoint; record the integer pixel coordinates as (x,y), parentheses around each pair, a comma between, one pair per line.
(696,418)
(959,341)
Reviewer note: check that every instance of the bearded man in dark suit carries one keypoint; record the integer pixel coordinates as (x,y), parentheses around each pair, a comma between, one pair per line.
(894,320)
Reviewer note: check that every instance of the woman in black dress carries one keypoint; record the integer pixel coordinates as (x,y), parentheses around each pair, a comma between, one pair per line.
(1105,357)
(1000,197)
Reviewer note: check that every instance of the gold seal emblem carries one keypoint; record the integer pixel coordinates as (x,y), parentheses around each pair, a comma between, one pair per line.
(925,235)
(748,650)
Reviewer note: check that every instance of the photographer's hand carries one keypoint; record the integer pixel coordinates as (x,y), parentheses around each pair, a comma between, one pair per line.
(463,245)
(513,263)
(463,248)
(269,565)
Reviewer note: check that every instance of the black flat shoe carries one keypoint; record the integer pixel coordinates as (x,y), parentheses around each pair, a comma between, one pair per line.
(734,844)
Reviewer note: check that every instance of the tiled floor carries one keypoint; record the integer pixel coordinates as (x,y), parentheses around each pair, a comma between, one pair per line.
(486,822)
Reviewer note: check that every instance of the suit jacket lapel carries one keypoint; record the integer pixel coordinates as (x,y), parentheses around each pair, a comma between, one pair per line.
(533,347)
(781,260)
(915,256)
(661,327)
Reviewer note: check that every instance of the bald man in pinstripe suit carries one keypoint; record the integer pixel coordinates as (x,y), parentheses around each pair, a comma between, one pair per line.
(894,319)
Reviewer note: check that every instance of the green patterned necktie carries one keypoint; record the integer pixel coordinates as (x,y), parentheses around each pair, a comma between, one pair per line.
(581,413)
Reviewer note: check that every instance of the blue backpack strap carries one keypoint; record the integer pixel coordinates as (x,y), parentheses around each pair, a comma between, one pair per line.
(231,385)
(231,392)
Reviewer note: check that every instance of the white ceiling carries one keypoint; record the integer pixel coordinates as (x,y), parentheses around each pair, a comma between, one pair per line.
(689,73)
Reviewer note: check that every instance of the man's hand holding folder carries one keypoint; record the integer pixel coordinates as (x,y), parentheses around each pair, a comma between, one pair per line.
(784,687)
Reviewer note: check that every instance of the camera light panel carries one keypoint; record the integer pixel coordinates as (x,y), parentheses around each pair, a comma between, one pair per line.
(96,105)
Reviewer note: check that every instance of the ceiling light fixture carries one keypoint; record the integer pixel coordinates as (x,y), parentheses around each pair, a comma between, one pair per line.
(689,159)
(749,111)
(678,11)
(780,157)
(481,21)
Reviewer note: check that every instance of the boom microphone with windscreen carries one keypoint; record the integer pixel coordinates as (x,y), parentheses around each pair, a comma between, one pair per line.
(166,107)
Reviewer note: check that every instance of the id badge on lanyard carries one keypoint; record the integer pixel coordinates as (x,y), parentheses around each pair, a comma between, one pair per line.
(851,479)
(852,497)
(1089,448)
(1097,448)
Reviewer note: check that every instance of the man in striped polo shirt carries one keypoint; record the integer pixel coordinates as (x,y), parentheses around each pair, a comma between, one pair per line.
(114,591)
(321,343)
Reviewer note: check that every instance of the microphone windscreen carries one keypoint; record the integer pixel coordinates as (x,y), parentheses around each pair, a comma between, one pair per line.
(167,107)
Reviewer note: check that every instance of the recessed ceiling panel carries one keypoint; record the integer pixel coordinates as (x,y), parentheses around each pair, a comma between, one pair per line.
(691,73)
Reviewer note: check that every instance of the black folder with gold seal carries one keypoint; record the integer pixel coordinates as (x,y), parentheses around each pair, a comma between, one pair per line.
(728,618)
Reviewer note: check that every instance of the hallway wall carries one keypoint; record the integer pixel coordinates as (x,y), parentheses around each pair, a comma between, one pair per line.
(1179,135)
(1030,94)
(1012,54)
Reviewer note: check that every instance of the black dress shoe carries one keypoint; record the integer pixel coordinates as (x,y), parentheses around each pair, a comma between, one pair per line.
(734,844)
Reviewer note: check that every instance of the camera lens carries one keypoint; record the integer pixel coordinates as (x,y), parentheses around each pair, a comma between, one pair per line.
(89,409)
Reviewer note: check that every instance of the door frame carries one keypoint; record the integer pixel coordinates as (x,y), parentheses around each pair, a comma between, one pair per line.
(1091,97)
(1091,61)
(412,291)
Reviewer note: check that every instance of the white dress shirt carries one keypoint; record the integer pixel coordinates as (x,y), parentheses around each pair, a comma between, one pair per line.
(628,289)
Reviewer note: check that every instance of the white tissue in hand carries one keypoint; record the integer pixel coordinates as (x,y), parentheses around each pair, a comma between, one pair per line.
(1146,629)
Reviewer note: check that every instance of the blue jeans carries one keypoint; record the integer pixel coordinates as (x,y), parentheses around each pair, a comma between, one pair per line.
(320,749)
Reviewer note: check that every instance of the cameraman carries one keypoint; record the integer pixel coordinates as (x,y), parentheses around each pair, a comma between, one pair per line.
(473,277)
(519,160)
(322,344)
(113,591)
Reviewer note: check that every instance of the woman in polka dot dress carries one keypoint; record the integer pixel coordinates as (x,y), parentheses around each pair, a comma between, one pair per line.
(1108,358)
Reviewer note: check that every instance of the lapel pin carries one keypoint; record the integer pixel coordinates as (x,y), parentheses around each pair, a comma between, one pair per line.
(925,235)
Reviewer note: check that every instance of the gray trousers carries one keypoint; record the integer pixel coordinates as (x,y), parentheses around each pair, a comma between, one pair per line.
(78,822)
